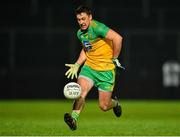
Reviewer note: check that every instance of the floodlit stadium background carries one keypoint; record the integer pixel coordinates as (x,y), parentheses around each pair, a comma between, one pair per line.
(38,37)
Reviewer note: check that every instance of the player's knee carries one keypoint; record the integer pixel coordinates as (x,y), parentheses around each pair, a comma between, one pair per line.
(103,107)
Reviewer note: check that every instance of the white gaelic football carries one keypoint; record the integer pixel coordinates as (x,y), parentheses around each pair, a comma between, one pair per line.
(72,90)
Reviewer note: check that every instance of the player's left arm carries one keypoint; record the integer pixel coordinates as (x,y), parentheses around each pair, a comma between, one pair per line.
(105,32)
(117,45)
(116,40)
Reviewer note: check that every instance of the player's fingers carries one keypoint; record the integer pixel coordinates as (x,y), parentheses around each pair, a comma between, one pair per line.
(75,75)
(122,67)
(69,75)
(67,72)
(118,64)
(69,65)
(72,76)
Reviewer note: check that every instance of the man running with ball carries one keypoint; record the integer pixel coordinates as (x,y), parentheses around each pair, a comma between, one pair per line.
(101,47)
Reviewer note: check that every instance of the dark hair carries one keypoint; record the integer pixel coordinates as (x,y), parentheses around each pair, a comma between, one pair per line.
(83,8)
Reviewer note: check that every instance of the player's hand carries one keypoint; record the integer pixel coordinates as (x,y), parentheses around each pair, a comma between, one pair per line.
(118,64)
(72,71)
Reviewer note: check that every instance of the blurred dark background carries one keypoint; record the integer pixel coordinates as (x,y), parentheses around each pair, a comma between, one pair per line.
(37,37)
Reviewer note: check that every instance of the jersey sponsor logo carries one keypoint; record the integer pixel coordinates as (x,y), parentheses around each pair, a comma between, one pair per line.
(87,45)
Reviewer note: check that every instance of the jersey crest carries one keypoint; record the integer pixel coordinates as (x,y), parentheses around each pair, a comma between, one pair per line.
(87,46)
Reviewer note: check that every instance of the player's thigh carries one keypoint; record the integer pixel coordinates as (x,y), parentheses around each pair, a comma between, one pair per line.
(85,84)
(104,97)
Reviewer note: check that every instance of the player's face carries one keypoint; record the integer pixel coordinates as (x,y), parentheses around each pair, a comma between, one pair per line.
(83,20)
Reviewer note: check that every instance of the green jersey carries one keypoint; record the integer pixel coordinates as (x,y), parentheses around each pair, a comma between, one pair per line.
(98,49)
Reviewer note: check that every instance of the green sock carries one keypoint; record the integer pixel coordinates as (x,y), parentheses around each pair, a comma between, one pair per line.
(74,115)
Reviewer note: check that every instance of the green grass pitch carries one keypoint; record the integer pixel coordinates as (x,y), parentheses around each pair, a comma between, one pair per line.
(45,118)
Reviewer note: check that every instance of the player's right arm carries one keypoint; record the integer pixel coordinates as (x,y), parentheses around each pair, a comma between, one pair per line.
(73,70)
(82,57)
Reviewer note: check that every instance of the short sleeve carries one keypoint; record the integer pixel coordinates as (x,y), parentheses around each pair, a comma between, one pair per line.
(100,28)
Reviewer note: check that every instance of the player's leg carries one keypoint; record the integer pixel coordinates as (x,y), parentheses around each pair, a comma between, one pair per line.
(86,83)
(105,83)
(78,104)
(106,103)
